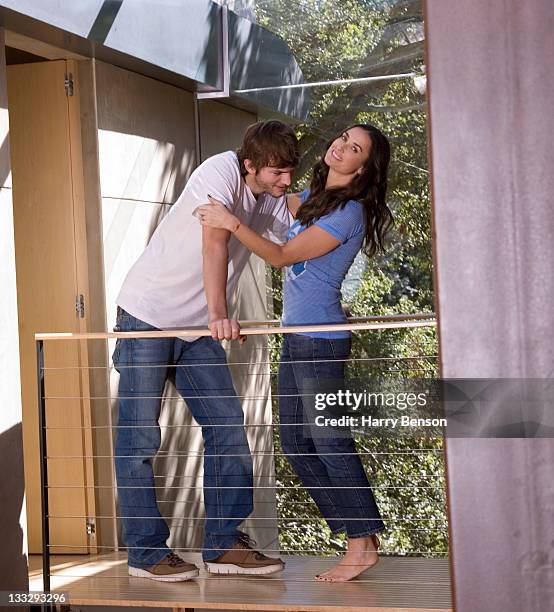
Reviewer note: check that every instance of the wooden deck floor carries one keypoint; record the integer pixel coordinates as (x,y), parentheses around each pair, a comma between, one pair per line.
(396,584)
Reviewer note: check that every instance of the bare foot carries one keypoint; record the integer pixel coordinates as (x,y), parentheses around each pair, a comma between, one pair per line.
(360,556)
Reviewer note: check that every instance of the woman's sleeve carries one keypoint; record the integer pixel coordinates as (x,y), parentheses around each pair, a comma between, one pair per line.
(343,223)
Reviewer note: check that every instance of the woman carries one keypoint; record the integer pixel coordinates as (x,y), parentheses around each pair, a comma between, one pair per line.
(343,210)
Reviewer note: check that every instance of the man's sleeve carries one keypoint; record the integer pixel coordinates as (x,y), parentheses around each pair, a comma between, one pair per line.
(216,177)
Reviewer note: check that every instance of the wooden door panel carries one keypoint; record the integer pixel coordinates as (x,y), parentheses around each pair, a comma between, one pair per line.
(47,282)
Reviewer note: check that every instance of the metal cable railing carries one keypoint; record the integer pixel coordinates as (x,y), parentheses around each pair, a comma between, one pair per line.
(283,482)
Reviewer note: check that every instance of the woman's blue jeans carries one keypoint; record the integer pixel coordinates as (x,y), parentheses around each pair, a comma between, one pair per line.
(328,466)
(203,377)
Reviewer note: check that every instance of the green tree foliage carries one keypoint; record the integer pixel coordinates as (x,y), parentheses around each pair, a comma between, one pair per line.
(356,39)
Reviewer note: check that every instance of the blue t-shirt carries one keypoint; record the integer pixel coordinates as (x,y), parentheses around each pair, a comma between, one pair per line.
(312,291)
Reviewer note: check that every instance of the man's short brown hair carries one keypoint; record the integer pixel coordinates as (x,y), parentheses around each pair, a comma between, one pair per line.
(269,143)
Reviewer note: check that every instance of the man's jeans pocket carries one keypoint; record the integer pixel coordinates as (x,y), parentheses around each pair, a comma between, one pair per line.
(124,323)
(116,354)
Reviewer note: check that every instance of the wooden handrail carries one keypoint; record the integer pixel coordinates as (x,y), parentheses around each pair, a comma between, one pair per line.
(255,328)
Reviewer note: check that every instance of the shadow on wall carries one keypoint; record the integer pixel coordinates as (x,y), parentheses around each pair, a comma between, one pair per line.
(13,567)
(130,105)
(4,161)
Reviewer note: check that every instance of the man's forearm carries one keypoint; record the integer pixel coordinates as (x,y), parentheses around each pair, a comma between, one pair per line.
(215,259)
(215,255)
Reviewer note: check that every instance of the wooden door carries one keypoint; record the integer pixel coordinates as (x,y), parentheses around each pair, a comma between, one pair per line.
(50,245)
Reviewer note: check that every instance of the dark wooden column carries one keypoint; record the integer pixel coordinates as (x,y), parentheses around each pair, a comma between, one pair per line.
(490,69)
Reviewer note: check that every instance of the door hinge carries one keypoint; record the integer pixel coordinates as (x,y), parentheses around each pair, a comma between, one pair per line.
(91,527)
(69,84)
(80,305)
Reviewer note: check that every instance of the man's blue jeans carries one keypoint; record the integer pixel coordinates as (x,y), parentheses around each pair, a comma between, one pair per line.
(202,376)
(328,466)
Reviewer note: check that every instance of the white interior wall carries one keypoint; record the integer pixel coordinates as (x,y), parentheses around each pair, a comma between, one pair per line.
(221,129)
(13,560)
(146,152)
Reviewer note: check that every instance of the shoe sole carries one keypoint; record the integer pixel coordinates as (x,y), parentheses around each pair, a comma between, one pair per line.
(231,568)
(183,576)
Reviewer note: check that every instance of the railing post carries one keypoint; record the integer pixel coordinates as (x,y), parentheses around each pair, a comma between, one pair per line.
(43,467)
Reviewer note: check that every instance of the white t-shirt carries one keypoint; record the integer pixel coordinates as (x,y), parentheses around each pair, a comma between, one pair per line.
(165,287)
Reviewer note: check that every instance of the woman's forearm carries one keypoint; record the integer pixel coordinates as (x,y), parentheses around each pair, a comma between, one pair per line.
(216,215)
(269,251)
(308,244)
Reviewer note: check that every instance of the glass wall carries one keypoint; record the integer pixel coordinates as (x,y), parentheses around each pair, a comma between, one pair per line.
(363,62)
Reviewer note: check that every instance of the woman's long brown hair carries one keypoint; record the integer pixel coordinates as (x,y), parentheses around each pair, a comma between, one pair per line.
(369,188)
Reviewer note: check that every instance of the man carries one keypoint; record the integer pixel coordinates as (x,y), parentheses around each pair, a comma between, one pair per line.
(173,286)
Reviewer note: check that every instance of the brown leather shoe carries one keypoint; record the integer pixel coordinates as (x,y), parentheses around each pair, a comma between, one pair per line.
(243,559)
(170,569)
